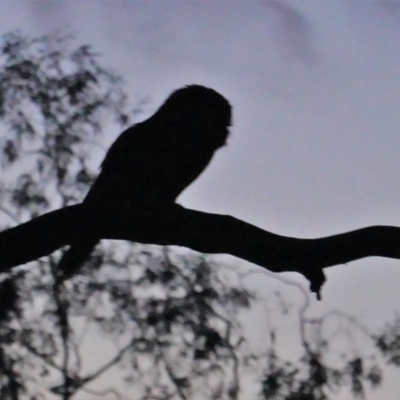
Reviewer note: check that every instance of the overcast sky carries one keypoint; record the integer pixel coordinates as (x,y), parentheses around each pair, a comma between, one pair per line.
(315,146)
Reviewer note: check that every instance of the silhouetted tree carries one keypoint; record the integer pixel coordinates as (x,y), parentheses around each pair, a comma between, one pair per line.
(54,101)
(170,321)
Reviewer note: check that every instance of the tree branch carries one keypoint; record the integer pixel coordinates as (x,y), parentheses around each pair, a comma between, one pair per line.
(207,233)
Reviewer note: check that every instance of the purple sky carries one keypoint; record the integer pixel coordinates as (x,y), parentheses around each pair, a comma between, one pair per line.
(315,147)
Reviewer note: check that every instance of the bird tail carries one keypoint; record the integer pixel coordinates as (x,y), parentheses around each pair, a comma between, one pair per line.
(74,258)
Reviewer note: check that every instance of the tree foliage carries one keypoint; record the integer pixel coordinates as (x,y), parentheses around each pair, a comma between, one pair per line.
(55,100)
(169,321)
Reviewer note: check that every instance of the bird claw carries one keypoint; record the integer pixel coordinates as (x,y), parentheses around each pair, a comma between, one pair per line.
(317,279)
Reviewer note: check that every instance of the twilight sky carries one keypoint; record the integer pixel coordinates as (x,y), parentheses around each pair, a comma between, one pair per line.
(315,146)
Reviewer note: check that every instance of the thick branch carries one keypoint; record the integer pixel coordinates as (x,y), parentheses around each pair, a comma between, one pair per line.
(208,233)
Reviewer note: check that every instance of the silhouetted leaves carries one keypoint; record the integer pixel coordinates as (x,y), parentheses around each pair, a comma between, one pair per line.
(52,100)
(10,151)
(388,341)
(151,306)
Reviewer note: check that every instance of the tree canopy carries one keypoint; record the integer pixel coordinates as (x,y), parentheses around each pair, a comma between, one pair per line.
(170,321)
